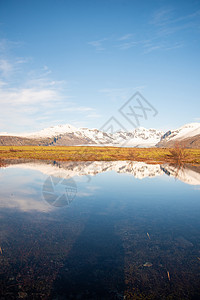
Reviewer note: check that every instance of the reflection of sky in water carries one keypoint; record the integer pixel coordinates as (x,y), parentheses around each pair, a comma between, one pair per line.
(103,231)
(21,188)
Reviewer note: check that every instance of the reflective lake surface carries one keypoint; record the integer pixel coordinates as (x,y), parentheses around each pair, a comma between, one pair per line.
(100,230)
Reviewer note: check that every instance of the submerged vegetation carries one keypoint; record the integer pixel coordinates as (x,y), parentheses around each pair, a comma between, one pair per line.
(91,153)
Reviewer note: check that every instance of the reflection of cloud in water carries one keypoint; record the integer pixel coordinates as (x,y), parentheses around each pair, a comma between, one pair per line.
(25,204)
(21,189)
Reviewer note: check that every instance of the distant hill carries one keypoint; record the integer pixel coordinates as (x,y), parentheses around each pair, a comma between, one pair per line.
(22,141)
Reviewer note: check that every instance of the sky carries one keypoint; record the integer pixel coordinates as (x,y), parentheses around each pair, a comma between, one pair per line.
(79,62)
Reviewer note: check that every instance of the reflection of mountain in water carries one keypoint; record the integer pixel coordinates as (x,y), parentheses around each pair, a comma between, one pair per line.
(70,169)
(188,174)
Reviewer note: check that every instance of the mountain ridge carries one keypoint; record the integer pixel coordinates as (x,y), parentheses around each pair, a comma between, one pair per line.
(67,135)
(187,136)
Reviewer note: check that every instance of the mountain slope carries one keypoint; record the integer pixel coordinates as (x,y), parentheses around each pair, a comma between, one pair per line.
(187,136)
(23,141)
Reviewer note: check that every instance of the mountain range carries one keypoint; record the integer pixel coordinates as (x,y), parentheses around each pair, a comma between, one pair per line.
(68,135)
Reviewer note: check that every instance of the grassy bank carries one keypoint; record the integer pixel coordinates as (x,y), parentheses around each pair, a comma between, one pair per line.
(76,153)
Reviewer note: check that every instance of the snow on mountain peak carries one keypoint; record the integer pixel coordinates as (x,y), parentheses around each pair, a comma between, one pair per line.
(139,137)
(135,138)
(187,130)
(53,131)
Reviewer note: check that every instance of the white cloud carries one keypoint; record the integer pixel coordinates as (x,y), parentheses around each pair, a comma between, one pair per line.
(34,100)
(125,37)
(78,109)
(5,67)
(161,16)
(160,31)
(150,48)
(119,94)
(7,45)
(166,16)
(30,96)
(98,45)
(128,45)
(94,116)
(2,83)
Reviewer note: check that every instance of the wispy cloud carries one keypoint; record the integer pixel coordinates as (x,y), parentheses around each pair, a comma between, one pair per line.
(149,47)
(166,17)
(128,45)
(33,99)
(166,22)
(9,64)
(120,94)
(98,44)
(78,109)
(7,45)
(162,16)
(127,42)
(115,94)
(36,103)
(94,115)
(17,97)
(161,33)
(125,37)
(2,83)
(164,28)
(5,67)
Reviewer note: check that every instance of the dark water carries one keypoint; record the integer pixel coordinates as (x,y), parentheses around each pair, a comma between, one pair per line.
(99,231)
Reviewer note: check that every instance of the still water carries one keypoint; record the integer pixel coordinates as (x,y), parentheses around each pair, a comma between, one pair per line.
(99,230)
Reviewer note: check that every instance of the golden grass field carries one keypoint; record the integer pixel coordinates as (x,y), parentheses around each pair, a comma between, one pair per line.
(85,153)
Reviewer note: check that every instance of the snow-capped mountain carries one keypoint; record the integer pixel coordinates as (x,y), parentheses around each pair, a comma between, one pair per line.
(185,131)
(69,135)
(52,131)
(44,133)
(187,135)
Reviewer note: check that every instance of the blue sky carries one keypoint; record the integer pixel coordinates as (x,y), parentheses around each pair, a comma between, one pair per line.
(78,62)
